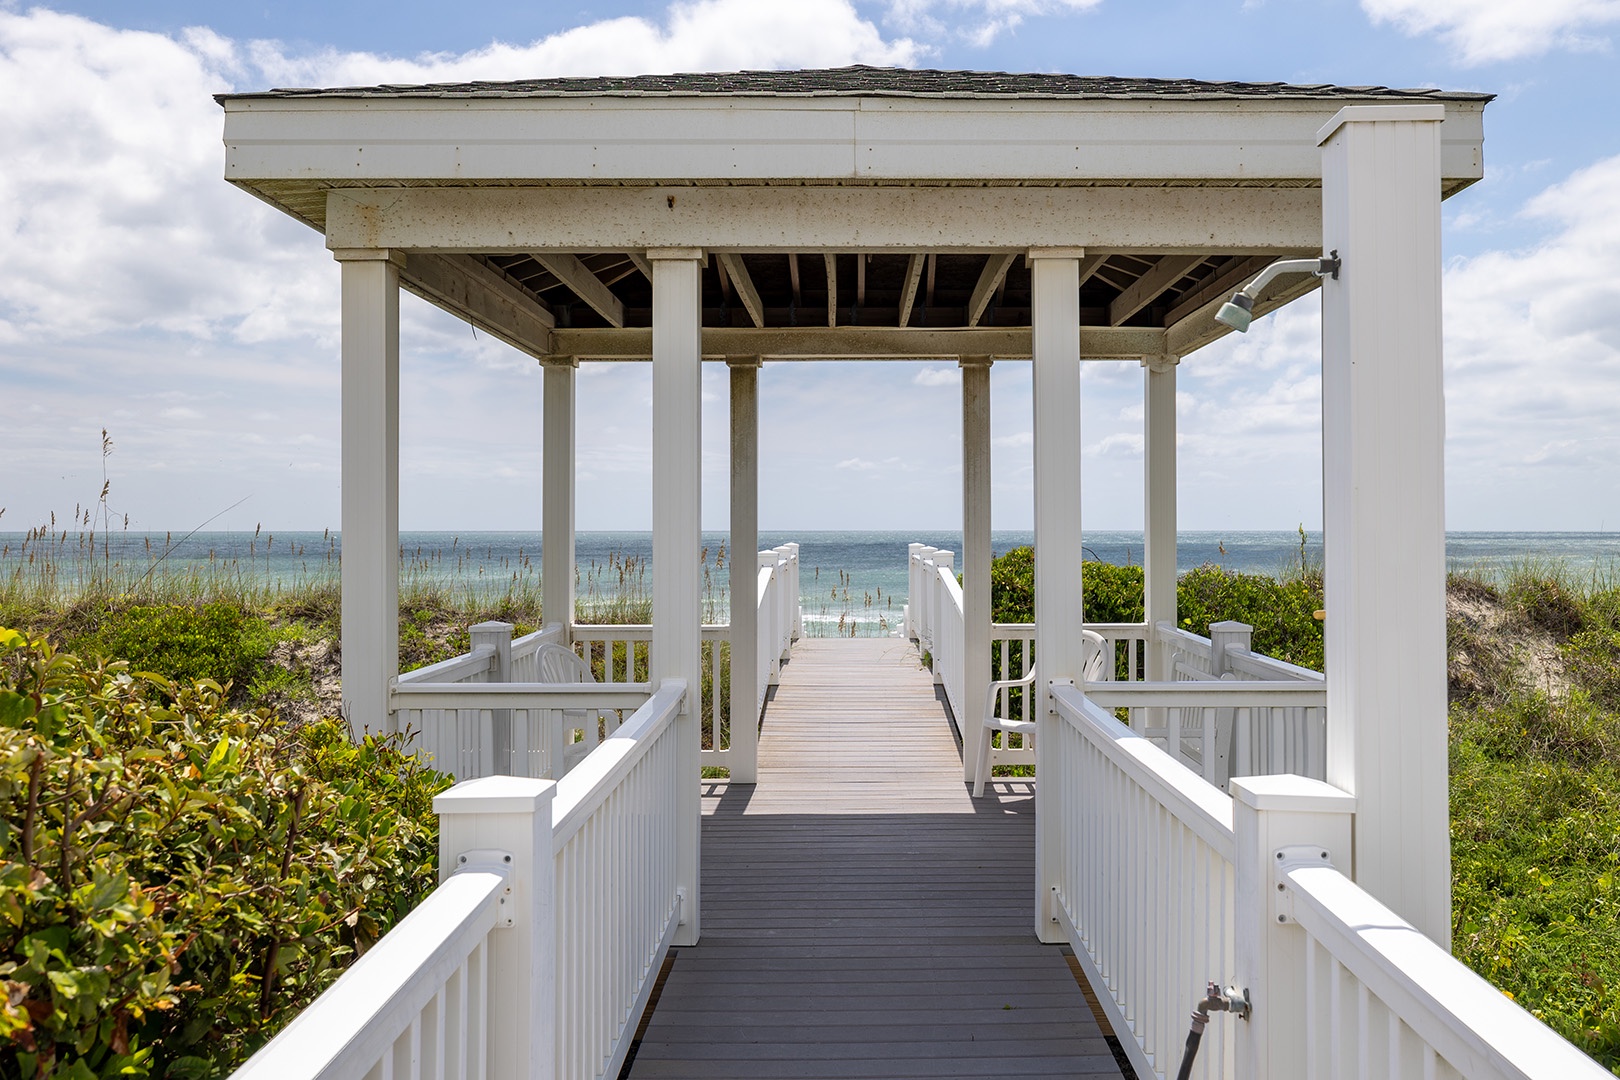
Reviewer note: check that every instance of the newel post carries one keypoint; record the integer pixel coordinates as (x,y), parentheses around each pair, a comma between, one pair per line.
(769,627)
(504,823)
(499,636)
(943,560)
(1278,821)
(1226,638)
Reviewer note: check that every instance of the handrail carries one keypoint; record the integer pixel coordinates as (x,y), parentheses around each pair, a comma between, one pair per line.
(1198,805)
(589,784)
(1205,692)
(537,695)
(378,999)
(474,662)
(1459,1015)
(1269,667)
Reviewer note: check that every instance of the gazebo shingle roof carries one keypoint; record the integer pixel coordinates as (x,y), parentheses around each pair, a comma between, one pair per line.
(860,80)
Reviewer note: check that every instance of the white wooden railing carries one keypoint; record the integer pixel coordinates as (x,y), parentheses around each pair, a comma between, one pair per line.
(536,954)
(1162,883)
(486,712)
(1143,885)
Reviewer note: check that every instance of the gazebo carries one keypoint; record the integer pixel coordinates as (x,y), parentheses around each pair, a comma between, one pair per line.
(866,213)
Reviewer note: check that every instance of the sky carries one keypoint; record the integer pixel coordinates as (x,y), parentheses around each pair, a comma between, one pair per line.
(141,294)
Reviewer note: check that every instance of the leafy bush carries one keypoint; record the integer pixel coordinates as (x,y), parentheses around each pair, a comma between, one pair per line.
(218,641)
(1281,612)
(178,879)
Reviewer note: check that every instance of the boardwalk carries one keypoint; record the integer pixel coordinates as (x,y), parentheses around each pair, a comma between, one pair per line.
(863,917)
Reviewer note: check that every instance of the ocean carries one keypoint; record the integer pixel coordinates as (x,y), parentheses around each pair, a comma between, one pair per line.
(848,579)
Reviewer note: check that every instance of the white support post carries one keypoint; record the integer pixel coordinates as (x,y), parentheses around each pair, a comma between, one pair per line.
(557,495)
(912,611)
(1059,645)
(370,485)
(976,551)
(770,560)
(1159,506)
(943,560)
(744,571)
(677,347)
(504,822)
(795,608)
(499,635)
(1383,475)
(787,598)
(1278,822)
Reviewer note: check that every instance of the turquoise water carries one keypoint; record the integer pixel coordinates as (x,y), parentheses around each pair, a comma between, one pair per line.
(856,577)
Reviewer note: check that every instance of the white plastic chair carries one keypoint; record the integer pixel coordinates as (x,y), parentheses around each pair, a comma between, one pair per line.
(1098,667)
(560,664)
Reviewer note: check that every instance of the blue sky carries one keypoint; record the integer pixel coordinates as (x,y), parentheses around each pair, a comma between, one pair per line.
(140,293)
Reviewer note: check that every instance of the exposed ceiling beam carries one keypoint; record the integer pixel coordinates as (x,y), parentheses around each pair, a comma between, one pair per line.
(860,343)
(860,280)
(1090,264)
(1223,283)
(586,285)
(908,293)
(641,264)
(1152,221)
(995,268)
(470,289)
(933,267)
(832,288)
(1193,331)
(1169,270)
(793,276)
(746,292)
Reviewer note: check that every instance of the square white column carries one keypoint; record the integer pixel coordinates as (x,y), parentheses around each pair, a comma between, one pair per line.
(744,569)
(1159,499)
(1383,493)
(976,552)
(370,485)
(677,348)
(1059,645)
(557,494)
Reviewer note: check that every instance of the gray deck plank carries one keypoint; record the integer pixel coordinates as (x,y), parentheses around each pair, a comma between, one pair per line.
(863,917)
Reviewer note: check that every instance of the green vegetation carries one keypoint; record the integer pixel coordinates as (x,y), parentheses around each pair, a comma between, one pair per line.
(178,878)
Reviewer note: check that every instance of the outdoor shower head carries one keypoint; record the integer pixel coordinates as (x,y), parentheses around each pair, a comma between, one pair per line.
(1238,312)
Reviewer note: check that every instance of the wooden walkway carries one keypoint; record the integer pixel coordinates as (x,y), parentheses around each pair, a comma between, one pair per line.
(862,915)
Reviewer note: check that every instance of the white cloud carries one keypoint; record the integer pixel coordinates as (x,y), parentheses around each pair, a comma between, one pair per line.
(982,20)
(1482,31)
(933,376)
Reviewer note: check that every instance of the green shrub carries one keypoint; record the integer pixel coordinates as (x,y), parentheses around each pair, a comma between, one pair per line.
(1281,612)
(217,641)
(1593,660)
(178,879)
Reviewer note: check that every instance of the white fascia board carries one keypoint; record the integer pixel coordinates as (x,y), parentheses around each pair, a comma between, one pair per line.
(1258,220)
(708,138)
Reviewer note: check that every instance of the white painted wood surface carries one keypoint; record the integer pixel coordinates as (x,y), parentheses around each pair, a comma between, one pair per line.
(1142,882)
(745,684)
(1383,474)
(976,549)
(841,137)
(677,540)
(828,219)
(557,493)
(370,495)
(1055,315)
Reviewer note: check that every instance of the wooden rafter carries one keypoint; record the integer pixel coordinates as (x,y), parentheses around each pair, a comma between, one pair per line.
(1091,264)
(908,293)
(641,264)
(586,285)
(1165,273)
(732,264)
(995,269)
(1226,281)
(793,276)
(832,288)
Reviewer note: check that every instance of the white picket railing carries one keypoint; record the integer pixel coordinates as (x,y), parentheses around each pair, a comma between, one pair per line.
(533,729)
(1144,884)
(614,843)
(537,953)
(1380,999)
